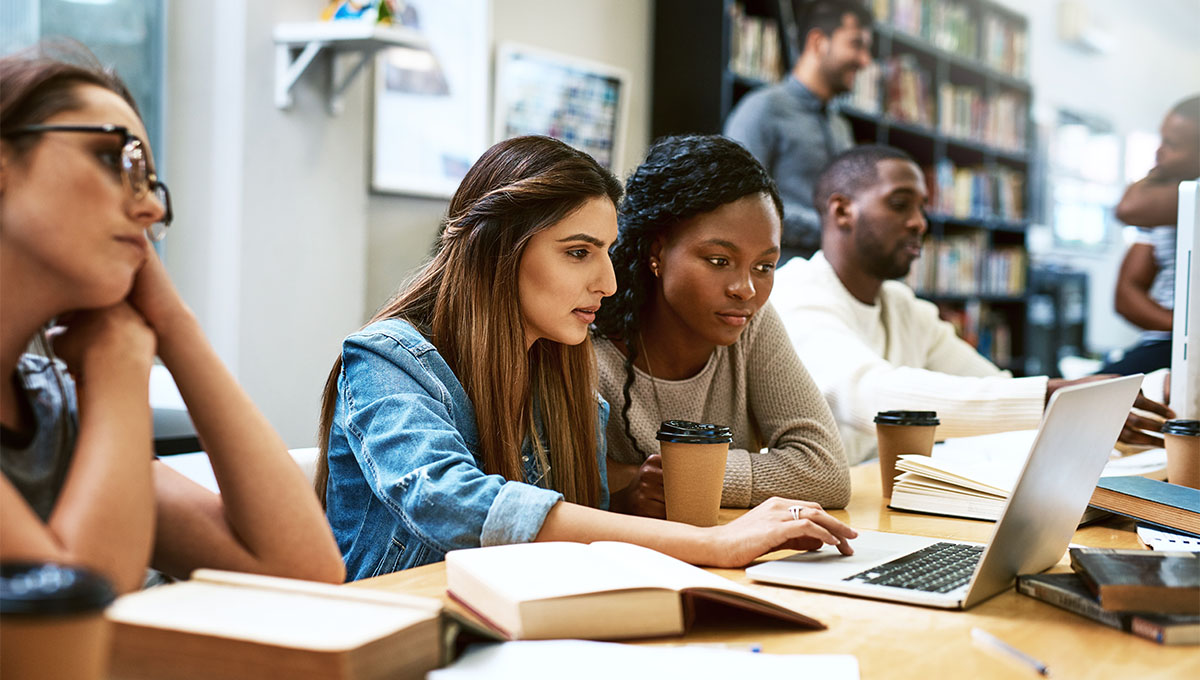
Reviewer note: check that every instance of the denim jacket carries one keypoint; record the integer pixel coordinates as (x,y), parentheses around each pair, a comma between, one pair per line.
(406,481)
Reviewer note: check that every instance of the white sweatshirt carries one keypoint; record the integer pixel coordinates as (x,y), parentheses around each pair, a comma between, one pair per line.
(894,354)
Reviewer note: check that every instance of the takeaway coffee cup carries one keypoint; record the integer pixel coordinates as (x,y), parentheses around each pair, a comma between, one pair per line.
(902,432)
(693,458)
(52,622)
(1183,452)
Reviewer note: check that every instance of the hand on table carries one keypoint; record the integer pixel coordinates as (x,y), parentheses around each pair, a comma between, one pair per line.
(1136,425)
(644,496)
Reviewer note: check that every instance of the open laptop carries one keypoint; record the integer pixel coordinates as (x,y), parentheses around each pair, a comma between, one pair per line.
(1077,433)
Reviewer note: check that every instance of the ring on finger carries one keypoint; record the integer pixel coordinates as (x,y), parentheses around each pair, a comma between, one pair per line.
(795,511)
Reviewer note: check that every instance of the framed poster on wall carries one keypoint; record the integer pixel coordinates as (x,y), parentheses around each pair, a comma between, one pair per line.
(582,103)
(431,106)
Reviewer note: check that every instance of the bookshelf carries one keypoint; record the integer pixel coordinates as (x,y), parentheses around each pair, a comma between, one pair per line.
(948,85)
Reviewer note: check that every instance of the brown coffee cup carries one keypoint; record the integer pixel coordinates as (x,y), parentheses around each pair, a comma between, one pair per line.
(52,622)
(900,432)
(1183,452)
(693,458)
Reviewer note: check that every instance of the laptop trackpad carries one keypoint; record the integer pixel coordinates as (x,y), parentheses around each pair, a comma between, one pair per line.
(870,548)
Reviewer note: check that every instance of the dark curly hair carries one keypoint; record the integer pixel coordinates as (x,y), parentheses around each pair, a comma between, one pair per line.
(682,177)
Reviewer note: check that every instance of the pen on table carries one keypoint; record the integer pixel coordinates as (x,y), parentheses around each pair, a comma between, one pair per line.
(984,637)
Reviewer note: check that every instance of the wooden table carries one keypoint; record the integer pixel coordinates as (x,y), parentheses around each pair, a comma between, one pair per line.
(904,641)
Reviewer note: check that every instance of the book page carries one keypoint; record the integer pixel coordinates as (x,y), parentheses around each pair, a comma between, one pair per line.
(275,617)
(670,572)
(995,461)
(551,659)
(562,569)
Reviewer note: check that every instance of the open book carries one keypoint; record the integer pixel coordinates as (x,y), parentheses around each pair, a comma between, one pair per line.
(230,625)
(597,591)
(972,477)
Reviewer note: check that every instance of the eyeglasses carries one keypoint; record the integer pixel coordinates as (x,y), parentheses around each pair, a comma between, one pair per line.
(136,175)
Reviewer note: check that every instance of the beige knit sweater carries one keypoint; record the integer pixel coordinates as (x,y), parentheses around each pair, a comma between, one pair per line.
(758,388)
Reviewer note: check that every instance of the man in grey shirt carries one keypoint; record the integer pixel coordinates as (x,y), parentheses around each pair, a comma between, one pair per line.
(789,127)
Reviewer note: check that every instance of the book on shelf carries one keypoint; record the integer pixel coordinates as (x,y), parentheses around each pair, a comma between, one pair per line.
(596,591)
(1164,582)
(985,329)
(972,477)
(964,265)
(755,46)
(977,192)
(1067,591)
(865,94)
(231,625)
(946,24)
(908,91)
(1150,500)
(1005,46)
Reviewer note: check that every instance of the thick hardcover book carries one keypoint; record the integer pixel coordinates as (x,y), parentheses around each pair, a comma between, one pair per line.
(1067,591)
(596,591)
(1141,580)
(1169,505)
(232,626)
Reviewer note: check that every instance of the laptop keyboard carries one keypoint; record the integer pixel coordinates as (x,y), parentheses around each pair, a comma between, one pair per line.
(940,568)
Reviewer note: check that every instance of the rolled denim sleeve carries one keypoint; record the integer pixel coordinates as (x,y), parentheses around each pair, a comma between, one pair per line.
(405,430)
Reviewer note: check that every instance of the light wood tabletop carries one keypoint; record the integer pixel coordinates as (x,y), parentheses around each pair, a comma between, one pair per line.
(905,641)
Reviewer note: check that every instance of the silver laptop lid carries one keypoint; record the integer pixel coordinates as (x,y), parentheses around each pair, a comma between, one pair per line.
(1079,427)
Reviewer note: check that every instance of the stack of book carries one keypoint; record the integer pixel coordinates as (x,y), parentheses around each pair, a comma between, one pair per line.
(1150,593)
(973,477)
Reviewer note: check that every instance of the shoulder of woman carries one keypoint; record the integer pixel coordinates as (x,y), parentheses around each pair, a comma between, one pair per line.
(391,334)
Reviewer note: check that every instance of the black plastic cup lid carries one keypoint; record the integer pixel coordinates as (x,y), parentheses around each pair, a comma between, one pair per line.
(907,418)
(1181,427)
(45,588)
(687,432)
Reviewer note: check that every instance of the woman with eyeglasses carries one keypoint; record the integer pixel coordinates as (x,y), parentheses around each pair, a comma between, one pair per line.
(79,203)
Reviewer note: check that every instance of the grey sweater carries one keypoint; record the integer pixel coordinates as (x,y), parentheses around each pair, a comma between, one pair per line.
(758,388)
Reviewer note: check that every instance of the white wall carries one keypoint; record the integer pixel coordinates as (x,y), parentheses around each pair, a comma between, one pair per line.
(617,32)
(1154,63)
(270,242)
(277,245)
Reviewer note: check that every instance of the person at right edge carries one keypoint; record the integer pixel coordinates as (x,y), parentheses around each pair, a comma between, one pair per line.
(870,344)
(1145,293)
(789,126)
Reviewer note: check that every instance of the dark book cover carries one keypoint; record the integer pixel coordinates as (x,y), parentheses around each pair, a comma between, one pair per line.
(1141,580)
(1167,505)
(1067,591)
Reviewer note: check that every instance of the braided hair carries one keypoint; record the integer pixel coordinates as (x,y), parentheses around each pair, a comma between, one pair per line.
(682,177)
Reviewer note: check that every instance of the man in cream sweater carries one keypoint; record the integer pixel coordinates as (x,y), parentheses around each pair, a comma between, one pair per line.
(867,340)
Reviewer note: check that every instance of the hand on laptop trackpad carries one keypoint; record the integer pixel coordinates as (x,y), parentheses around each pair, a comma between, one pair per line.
(830,555)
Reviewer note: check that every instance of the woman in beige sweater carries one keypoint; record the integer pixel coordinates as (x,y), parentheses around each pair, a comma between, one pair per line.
(689,334)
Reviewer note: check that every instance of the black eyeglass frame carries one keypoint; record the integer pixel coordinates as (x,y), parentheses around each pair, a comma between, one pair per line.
(131,144)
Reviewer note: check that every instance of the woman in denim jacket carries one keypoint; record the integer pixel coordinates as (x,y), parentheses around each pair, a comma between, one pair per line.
(432,429)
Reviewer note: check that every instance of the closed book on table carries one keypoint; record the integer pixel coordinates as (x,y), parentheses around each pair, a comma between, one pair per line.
(1141,580)
(1068,591)
(1169,505)
(596,591)
(231,626)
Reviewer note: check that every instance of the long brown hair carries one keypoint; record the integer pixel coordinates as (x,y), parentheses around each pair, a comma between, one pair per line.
(41,81)
(466,301)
